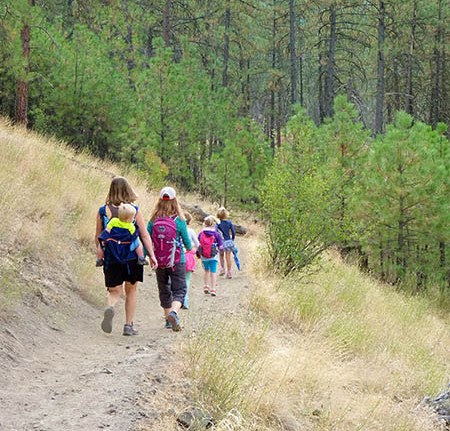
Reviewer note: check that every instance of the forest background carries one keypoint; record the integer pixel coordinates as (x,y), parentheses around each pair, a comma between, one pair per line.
(330,116)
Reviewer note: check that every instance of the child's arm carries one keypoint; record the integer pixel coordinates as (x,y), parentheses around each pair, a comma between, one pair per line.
(185,235)
(233,232)
(219,240)
(194,238)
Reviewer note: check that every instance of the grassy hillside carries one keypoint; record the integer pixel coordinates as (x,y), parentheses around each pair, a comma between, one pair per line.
(49,198)
(331,351)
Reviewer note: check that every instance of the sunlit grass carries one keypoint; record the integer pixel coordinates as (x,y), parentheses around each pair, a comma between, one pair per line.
(361,354)
(50,197)
(225,363)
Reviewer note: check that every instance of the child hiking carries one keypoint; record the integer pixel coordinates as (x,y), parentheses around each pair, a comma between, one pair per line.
(122,277)
(169,233)
(190,258)
(227,230)
(121,230)
(210,243)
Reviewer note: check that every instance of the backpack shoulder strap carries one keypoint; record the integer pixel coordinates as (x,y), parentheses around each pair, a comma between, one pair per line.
(104,218)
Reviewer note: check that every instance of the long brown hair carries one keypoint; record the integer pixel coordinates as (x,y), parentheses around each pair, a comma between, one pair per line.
(120,191)
(165,208)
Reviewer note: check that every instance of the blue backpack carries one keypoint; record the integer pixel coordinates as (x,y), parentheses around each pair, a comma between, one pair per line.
(119,244)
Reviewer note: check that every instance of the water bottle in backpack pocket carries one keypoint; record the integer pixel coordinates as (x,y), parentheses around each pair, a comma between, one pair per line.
(165,242)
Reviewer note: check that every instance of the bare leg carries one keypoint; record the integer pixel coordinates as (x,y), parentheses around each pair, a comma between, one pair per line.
(228,259)
(176,305)
(139,251)
(114,294)
(213,280)
(206,278)
(100,253)
(222,263)
(130,302)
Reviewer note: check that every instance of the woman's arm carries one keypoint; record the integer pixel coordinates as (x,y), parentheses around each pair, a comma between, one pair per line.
(145,238)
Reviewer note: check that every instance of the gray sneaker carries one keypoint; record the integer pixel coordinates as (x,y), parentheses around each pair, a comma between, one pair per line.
(107,320)
(129,329)
(142,261)
(173,319)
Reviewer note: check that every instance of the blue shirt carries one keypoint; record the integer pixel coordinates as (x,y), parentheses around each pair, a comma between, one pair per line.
(227,229)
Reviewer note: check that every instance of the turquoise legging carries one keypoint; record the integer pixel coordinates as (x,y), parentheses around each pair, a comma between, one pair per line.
(188,283)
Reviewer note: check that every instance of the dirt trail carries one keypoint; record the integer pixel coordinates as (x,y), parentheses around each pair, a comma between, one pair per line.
(60,372)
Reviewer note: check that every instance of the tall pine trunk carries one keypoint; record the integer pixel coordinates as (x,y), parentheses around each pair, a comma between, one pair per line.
(379,120)
(435,105)
(330,66)
(166,23)
(409,102)
(21,111)
(272,86)
(131,64)
(292,54)
(226,43)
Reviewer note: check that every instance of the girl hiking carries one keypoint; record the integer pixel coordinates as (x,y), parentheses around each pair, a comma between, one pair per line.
(120,277)
(226,228)
(168,230)
(210,243)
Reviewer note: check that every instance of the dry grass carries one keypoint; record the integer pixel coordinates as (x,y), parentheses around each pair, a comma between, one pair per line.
(353,354)
(335,351)
(50,197)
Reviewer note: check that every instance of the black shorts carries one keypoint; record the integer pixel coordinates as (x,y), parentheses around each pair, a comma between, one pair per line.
(116,273)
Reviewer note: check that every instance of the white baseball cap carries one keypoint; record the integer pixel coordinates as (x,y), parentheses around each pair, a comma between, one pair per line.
(167,194)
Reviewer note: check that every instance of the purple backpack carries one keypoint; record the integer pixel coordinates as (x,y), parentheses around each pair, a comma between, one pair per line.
(165,244)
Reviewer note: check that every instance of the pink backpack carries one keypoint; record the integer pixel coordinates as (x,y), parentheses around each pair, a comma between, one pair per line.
(165,244)
(208,245)
(191,263)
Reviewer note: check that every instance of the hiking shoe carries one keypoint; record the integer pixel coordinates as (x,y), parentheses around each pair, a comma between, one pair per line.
(99,262)
(206,290)
(213,292)
(107,320)
(129,329)
(174,320)
(168,325)
(142,260)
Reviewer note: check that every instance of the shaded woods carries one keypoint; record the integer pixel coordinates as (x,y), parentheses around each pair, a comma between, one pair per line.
(199,93)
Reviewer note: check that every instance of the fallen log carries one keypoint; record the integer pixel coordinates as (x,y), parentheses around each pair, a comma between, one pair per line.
(199,215)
